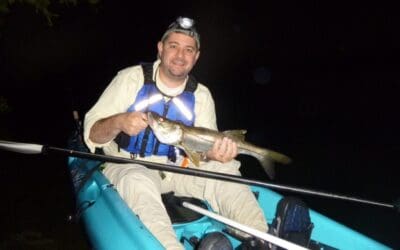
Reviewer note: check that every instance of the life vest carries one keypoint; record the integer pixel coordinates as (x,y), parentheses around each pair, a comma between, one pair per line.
(150,98)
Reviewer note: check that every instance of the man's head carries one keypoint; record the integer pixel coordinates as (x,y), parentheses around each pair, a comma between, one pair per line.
(178,51)
(183,25)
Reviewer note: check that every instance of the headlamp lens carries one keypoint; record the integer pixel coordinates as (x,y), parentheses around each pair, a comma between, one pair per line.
(185,22)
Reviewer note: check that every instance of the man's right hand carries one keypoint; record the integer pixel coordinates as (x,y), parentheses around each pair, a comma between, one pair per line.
(131,123)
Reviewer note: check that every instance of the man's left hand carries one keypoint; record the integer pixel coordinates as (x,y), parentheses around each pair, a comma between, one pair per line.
(223,150)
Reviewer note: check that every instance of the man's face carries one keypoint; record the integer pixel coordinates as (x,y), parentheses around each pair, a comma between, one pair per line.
(178,54)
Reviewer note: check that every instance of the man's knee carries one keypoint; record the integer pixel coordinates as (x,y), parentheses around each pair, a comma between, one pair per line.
(132,180)
(231,167)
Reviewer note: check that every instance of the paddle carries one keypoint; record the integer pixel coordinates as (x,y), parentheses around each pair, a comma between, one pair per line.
(28,148)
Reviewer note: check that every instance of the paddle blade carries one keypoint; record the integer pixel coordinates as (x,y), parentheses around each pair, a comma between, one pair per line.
(24,148)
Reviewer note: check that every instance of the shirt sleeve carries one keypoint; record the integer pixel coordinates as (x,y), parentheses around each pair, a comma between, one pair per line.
(205,108)
(116,98)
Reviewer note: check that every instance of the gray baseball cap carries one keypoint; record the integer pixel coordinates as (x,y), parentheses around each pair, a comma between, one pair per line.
(183,25)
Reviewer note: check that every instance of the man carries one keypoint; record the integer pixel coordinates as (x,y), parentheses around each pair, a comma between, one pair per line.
(118,124)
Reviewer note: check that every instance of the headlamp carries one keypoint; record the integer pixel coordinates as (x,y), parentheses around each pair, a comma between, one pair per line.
(185,22)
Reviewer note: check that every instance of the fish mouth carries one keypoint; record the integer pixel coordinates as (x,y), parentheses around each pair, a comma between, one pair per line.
(151,120)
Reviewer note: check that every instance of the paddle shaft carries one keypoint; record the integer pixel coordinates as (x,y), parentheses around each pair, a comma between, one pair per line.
(213,175)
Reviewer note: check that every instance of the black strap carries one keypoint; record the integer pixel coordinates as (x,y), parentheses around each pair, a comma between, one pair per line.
(144,142)
(191,84)
(148,73)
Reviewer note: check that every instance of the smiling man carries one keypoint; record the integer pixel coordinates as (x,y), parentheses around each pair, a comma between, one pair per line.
(118,124)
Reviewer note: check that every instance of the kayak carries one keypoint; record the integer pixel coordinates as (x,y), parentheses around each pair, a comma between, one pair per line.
(111,224)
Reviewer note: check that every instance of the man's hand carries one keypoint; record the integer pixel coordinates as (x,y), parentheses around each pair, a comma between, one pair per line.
(106,129)
(223,150)
(131,123)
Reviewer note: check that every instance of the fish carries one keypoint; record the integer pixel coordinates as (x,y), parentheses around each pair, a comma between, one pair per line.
(195,141)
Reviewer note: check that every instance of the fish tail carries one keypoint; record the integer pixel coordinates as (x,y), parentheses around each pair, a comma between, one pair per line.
(278,157)
(268,157)
(268,165)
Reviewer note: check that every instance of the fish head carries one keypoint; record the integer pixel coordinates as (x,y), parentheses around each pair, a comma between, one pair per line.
(166,131)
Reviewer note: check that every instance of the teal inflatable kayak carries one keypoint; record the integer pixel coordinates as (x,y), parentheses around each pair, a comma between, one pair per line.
(111,224)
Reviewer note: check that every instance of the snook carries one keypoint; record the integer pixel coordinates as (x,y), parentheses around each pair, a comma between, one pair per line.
(196,140)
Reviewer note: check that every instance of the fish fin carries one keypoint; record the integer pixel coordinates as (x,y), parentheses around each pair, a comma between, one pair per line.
(193,156)
(238,134)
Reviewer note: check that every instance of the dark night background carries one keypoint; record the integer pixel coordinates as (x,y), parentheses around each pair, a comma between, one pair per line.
(318,82)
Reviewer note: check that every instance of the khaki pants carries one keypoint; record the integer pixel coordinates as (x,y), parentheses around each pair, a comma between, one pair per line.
(141,189)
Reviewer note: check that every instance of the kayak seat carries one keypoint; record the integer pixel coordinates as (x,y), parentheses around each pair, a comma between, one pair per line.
(178,213)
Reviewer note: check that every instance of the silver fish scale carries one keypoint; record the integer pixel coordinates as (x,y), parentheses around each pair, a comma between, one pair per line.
(196,143)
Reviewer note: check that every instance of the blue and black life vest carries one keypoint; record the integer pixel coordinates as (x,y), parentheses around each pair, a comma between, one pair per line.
(150,98)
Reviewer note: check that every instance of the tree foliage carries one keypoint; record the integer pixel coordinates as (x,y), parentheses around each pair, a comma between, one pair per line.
(41,6)
(4,107)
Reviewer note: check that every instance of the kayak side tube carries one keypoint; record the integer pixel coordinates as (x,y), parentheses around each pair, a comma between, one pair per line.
(326,230)
(109,222)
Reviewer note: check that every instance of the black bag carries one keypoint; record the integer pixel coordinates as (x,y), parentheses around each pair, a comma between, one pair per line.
(292,222)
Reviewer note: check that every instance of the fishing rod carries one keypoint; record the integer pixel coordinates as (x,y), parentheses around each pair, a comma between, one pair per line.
(30,148)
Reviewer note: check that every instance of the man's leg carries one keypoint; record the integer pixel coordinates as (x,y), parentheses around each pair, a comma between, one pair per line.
(235,201)
(141,190)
